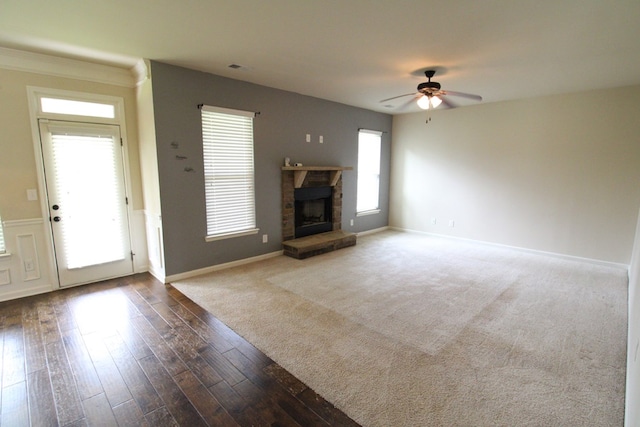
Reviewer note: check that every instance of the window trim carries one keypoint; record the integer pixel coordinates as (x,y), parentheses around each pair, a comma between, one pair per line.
(369,212)
(223,236)
(34,93)
(37,93)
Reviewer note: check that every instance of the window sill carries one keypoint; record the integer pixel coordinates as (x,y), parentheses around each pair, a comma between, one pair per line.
(5,255)
(371,212)
(215,237)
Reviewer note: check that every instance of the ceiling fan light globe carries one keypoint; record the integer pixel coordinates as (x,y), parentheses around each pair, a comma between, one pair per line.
(423,102)
(435,101)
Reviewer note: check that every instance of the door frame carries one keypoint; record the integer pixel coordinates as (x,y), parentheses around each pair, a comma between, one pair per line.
(35,113)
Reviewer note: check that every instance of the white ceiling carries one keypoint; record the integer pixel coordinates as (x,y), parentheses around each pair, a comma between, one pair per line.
(356,52)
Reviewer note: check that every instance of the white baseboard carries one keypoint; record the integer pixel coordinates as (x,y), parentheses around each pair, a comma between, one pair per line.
(375,230)
(15,294)
(188,274)
(157,274)
(521,249)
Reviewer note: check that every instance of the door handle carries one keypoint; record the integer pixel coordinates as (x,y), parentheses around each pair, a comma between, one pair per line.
(57,218)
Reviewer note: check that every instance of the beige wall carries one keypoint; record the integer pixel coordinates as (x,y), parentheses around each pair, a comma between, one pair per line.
(26,234)
(17,161)
(558,174)
(632,407)
(147,142)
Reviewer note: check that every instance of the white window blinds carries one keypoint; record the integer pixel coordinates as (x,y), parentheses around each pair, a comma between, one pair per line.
(3,249)
(92,204)
(227,140)
(368,190)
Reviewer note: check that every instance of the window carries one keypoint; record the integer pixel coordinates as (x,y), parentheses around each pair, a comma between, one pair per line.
(227,140)
(3,249)
(77,108)
(368,191)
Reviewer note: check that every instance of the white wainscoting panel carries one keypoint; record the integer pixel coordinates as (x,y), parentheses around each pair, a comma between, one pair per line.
(139,242)
(28,254)
(5,276)
(155,245)
(26,267)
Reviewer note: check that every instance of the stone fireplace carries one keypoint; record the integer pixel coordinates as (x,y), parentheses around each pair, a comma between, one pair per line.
(312,210)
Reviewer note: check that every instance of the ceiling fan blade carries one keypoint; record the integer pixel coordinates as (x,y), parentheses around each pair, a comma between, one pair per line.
(464,95)
(448,104)
(407,103)
(396,97)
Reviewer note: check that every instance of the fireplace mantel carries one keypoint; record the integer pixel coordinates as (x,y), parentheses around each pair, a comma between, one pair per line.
(300,172)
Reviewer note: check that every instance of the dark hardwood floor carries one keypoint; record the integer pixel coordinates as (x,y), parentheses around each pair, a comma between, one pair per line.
(134,352)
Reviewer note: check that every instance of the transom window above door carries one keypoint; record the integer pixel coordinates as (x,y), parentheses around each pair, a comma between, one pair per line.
(76,106)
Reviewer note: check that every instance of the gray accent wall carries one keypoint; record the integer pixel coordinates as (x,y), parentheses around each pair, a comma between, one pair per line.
(279,131)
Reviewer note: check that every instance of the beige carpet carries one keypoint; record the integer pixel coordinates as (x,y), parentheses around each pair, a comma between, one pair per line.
(406,329)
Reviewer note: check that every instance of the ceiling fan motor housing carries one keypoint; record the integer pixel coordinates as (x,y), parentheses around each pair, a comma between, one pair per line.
(429,87)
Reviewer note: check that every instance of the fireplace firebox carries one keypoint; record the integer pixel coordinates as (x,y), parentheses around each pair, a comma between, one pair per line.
(313,209)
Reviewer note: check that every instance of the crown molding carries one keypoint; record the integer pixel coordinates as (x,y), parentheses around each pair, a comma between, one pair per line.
(141,71)
(18,60)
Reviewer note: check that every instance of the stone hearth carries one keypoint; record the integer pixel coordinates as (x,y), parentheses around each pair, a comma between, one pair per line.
(317,244)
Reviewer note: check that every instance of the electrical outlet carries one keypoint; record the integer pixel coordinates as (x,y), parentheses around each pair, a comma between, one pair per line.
(351,222)
(308,137)
(28,265)
(321,139)
(265,238)
(452,223)
(434,221)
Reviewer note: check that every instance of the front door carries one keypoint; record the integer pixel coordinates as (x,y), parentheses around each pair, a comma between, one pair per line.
(85,185)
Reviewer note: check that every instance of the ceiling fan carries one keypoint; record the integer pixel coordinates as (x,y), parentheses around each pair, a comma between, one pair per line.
(430,94)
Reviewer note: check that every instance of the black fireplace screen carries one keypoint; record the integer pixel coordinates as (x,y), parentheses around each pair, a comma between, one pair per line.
(312,210)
